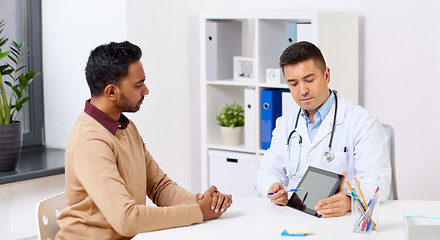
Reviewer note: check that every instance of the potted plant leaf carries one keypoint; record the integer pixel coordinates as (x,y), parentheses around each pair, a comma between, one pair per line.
(14,76)
(231,121)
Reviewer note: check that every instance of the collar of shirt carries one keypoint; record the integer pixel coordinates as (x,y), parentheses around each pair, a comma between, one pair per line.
(322,112)
(105,120)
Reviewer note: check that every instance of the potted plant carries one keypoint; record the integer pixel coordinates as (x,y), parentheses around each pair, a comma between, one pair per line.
(14,76)
(231,121)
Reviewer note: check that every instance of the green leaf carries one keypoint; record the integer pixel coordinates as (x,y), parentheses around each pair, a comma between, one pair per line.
(3,41)
(17,92)
(23,81)
(15,44)
(15,51)
(13,59)
(15,68)
(25,99)
(18,105)
(8,83)
(231,115)
(3,67)
(16,55)
(20,68)
(30,74)
(7,72)
(4,54)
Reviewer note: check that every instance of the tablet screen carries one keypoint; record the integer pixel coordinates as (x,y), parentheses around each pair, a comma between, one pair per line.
(316,184)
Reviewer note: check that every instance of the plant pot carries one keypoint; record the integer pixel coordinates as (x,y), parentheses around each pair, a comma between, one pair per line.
(231,135)
(11,140)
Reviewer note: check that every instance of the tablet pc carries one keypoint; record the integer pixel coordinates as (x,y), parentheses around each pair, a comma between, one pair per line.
(316,184)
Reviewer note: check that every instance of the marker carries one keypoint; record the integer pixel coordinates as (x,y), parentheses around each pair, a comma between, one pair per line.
(290,190)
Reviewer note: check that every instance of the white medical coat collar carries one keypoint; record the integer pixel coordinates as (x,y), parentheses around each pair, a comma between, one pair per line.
(326,125)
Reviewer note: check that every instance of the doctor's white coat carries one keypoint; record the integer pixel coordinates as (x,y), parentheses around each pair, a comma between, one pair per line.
(359,144)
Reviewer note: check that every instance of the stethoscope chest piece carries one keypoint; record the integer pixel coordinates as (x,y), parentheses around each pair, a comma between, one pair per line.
(328,155)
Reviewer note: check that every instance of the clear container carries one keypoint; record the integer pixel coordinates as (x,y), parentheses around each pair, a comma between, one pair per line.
(365,213)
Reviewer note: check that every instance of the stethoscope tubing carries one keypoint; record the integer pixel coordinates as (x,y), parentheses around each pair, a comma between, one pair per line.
(334,121)
(328,155)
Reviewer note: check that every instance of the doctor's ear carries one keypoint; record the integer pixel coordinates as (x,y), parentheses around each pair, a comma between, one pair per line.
(327,74)
(111,91)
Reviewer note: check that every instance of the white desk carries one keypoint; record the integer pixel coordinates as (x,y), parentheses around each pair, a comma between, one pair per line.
(258,218)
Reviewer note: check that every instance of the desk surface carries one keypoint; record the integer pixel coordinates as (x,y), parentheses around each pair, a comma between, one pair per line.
(258,218)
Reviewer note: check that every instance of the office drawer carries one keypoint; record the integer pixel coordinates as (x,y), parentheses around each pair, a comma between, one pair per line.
(233,172)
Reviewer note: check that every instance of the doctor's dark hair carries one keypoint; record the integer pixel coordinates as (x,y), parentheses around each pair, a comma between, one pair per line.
(300,52)
(108,64)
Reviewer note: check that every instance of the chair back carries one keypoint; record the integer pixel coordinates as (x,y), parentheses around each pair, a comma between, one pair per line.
(393,188)
(47,212)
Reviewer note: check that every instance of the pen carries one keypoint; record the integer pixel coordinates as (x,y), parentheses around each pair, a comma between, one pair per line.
(377,189)
(362,195)
(369,212)
(348,184)
(364,213)
(361,209)
(290,190)
(358,201)
(353,194)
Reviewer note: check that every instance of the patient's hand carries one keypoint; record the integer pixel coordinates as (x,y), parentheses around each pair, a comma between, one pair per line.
(213,203)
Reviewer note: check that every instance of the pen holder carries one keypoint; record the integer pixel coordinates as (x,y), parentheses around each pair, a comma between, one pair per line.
(365,214)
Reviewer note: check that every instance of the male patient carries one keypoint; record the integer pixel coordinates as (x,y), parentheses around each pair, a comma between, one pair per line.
(109,171)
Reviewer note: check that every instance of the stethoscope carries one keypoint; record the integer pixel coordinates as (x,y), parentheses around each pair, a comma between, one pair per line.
(328,155)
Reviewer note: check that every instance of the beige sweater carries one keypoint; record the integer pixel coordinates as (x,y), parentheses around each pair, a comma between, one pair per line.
(107,179)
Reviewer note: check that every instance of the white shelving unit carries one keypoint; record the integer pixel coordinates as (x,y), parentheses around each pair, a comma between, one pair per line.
(263,38)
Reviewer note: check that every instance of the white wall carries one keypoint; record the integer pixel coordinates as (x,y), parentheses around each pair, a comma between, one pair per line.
(71,29)
(401,84)
(167,32)
(399,44)
(18,201)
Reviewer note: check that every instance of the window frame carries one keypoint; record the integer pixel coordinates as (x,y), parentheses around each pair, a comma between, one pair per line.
(33,38)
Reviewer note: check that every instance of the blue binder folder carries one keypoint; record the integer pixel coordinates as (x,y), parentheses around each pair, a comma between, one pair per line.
(291,33)
(271,109)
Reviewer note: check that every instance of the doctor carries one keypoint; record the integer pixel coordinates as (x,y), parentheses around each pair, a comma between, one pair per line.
(327,132)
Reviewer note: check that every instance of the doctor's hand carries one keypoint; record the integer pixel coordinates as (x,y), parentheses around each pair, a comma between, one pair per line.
(279,195)
(336,205)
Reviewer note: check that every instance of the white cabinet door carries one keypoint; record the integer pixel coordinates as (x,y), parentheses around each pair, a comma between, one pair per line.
(232,172)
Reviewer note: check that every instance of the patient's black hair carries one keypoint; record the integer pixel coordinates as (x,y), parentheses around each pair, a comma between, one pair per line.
(108,63)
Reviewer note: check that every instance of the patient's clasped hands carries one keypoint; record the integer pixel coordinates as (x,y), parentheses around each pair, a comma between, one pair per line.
(213,203)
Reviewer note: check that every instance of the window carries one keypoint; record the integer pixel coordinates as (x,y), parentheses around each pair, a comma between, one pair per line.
(23,23)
